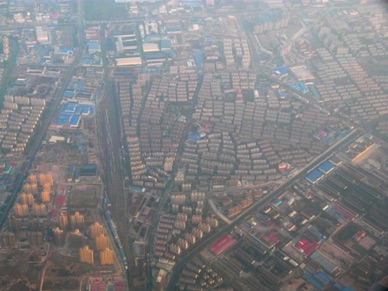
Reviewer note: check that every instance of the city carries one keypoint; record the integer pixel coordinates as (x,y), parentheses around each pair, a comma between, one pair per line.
(193,144)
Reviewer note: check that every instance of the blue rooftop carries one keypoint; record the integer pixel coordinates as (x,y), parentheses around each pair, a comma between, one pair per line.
(75,120)
(70,107)
(198,58)
(277,202)
(87,61)
(194,137)
(165,44)
(66,50)
(154,55)
(78,110)
(326,167)
(85,110)
(328,139)
(71,112)
(281,71)
(89,167)
(173,29)
(95,46)
(68,94)
(299,86)
(314,176)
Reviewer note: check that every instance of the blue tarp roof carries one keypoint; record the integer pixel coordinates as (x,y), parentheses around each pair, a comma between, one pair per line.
(198,58)
(277,202)
(328,139)
(342,134)
(314,176)
(75,120)
(68,94)
(154,55)
(63,121)
(70,107)
(87,61)
(94,45)
(281,71)
(89,167)
(66,50)
(78,110)
(173,29)
(326,167)
(194,136)
(85,110)
(299,86)
(312,281)
(165,43)
(323,277)
(81,85)
(71,112)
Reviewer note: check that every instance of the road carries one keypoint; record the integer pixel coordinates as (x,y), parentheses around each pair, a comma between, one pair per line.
(217,212)
(226,229)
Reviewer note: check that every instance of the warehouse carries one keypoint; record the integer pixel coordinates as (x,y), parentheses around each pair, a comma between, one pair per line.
(326,167)
(315,176)
(223,244)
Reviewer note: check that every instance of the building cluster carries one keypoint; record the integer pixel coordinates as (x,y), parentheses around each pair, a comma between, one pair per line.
(154,36)
(354,88)
(5,52)
(93,56)
(28,222)
(236,52)
(322,227)
(77,238)
(233,202)
(71,114)
(44,41)
(98,283)
(127,50)
(20,116)
(47,219)
(245,131)
(197,275)
(161,122)
(186,224)
(272,21)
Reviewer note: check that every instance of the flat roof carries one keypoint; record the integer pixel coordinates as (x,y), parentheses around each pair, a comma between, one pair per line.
(314,176)
(75,120)
(325,262)
(223,244)
(326,167)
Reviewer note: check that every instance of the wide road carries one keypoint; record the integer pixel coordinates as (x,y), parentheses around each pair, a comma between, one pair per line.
(40,135)
(226,229)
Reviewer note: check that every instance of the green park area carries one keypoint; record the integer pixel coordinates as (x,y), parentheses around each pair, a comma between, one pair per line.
(347,232)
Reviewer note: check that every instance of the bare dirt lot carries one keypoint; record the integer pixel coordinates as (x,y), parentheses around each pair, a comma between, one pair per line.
(85,196)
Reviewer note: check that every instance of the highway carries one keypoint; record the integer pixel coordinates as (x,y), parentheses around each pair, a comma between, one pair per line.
(226,229)
(40,134)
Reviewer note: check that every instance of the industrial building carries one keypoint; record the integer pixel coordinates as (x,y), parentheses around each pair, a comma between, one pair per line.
(71,113)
